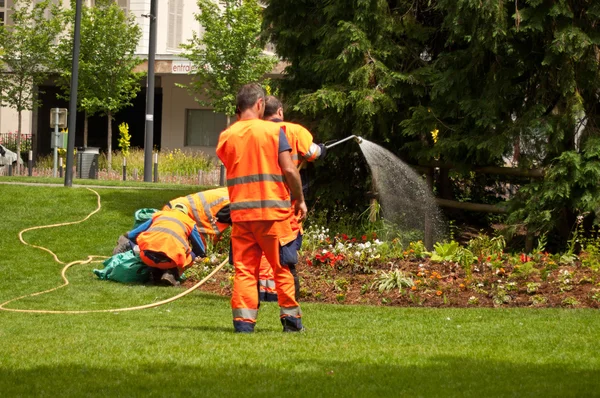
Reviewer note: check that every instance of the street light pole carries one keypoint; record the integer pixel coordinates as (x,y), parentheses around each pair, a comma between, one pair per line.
(149,138)
(73,96)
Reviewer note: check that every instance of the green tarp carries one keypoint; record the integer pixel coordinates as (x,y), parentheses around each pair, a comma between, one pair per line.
(142,215)
(124,267)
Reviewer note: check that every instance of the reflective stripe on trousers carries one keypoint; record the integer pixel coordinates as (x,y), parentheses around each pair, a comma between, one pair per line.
(290,311)
(245,314)
(268,284)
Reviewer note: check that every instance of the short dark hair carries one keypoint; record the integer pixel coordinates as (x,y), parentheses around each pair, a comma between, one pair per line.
(248,95)
(272,104)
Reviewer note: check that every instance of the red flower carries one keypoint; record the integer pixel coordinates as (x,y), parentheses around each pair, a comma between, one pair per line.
(525,258)
(309,262)
(489,258)
(344,237)
(364,238)
(374,235)
(353,240)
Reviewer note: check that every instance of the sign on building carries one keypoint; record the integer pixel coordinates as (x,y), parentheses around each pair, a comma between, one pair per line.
(182,67)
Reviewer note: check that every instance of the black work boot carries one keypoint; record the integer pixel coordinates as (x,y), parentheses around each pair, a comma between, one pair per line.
(170,277)
(292,324)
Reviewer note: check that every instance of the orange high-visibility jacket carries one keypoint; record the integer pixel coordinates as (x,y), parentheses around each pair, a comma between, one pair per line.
(168,234)
(203,208)
(249,149)
(301,141)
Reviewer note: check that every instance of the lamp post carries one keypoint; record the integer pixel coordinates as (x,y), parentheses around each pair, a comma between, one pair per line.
(149,138)
(73,96)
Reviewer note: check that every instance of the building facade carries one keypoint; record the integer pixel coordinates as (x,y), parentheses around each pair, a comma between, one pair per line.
(179,123)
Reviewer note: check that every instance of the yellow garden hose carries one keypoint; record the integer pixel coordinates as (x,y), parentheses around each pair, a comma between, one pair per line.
(87,261)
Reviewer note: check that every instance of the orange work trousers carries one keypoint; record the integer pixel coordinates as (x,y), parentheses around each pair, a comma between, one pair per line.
(250,239)
(266,283)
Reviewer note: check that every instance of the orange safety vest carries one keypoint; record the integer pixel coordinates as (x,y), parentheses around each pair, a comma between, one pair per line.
(203,208)
(301,141)
(303,148)
(168,234)
(249,149)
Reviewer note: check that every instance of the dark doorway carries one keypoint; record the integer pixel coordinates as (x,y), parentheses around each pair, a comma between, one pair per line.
(134,115)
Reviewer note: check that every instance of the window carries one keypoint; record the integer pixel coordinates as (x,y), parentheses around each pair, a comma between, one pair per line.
(175,23)
(203,127)
(4,8)
(124,4)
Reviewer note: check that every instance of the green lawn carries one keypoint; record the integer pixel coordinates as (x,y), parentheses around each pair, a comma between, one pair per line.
(104,183)
(187,348)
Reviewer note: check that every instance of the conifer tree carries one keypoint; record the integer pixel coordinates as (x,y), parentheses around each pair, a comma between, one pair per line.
(493,79)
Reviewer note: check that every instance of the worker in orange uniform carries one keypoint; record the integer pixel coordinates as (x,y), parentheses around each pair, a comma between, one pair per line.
(303,150)
(168,241)
(204,207)
(260,176)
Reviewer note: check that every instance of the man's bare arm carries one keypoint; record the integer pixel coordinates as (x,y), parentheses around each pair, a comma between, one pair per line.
(292,177)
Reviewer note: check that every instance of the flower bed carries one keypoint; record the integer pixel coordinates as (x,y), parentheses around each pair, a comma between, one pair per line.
(365,270)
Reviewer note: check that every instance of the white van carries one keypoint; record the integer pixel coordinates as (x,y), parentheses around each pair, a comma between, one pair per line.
(9,157)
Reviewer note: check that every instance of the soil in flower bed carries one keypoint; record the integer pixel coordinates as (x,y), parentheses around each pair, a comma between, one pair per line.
(442,285)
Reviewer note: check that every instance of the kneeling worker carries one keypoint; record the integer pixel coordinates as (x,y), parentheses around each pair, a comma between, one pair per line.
(169,241)
(203,207)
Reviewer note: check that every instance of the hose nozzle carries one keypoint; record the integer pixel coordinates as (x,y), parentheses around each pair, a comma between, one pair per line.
(355,137)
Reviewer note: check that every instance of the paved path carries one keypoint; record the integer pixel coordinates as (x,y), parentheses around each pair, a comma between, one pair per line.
(44,184)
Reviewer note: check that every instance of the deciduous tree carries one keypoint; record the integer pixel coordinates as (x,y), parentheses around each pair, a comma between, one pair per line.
(228,54)
(107,82)
(27,54)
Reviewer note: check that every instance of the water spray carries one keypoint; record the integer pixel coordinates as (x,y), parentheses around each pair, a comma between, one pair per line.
(355,137)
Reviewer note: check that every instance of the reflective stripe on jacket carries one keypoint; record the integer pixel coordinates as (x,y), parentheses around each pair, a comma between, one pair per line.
(301,141)
(249,149)
(168,234)
(203,208)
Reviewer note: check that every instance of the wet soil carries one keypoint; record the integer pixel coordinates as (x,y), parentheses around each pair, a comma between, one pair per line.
(442,284)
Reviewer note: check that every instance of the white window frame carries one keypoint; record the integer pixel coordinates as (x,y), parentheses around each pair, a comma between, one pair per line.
(187,142)
(175,25)
(125,7)
(124,4)
(5,9)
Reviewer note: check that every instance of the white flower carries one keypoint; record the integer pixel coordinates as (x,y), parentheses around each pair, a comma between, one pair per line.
(324,251)
(361,245)
(472,298)
(339,246)
(368,244)
(378,242)
(357,254)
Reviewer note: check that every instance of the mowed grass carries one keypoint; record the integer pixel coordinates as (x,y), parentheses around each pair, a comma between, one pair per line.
(187,348)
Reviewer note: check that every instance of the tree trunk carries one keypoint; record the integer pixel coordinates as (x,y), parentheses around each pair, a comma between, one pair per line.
(18,166)
(109,146)
(85,129)
(516,151)
(228,121)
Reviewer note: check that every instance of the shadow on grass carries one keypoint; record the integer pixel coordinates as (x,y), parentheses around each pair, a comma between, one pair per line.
(126,202)
(441,376)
